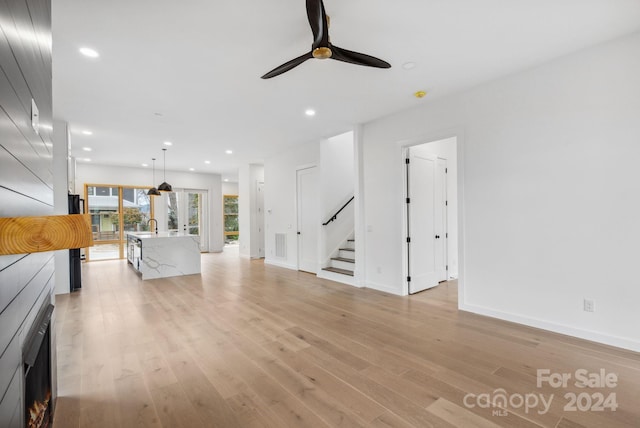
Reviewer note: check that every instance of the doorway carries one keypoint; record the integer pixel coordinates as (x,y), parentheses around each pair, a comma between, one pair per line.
(260,218)
(115,210)
(308,220)
(187,212)
(431,214)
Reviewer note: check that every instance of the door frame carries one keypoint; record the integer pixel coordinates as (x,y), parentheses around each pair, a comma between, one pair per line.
(402,146)
(411,213)
(122,235)
(297,216)
(260,220)
(204,214)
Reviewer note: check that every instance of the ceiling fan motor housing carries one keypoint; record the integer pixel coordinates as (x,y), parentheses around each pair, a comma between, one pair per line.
(322,53)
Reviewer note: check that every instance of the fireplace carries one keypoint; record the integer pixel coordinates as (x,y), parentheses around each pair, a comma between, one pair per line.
(38,407)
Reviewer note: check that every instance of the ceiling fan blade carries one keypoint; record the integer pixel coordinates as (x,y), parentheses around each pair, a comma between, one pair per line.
(318,22)
(357,58)
(288,66)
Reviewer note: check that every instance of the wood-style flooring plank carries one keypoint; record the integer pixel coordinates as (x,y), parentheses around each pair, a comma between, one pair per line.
(245,344)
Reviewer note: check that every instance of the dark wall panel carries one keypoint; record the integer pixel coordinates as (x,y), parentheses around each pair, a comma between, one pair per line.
(9,363)
(15,277)
(15,176)
(16,205)
(26,182)
(15,96)
(26,49)
(14,114)
(17,312)
(10,403)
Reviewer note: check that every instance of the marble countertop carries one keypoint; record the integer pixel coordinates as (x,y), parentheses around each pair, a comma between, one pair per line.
(164,254)
(151,235)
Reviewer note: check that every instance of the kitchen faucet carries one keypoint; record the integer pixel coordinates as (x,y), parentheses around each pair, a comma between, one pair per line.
(149,224)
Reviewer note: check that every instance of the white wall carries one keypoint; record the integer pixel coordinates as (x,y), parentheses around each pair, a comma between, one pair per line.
(248,178)
(549,189)
(448,149)
(280,199)
(229,188)
(337,180)
(61,200)
(103,174)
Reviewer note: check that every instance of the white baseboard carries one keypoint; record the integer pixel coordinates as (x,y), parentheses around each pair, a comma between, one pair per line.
(337,277)
(280,264)
(593,336)
(383,287)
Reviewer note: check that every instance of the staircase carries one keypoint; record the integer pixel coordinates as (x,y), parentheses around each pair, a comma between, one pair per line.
(345,262)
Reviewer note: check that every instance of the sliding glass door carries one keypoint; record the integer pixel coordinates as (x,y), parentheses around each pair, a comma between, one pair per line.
(115,210)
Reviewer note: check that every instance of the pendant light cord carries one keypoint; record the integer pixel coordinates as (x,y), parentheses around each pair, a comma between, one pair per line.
(164,165)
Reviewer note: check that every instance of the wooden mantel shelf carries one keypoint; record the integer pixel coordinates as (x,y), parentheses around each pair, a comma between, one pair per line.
(23,235)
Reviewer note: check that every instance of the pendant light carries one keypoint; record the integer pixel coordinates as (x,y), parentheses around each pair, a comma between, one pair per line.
(165,187)
(153,191)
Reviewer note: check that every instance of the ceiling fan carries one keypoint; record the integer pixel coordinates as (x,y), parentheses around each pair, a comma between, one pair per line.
(322,47)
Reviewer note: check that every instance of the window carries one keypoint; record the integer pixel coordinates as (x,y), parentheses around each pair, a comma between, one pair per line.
(172,211)
(112,215)
(129,195)
(231,227)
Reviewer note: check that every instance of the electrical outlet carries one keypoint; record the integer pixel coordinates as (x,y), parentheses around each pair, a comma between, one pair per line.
(589,305)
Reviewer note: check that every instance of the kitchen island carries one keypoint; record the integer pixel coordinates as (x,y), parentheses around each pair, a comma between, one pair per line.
(163,254)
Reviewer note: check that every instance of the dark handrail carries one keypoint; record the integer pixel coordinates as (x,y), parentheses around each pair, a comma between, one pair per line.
(335,216)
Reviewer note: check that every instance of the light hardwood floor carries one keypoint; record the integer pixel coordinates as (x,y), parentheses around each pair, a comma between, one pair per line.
(250,345)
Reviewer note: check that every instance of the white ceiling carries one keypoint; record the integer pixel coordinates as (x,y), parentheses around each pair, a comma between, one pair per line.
(198,64)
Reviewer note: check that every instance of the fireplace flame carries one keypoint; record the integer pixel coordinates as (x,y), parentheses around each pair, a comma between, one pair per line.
(37,413)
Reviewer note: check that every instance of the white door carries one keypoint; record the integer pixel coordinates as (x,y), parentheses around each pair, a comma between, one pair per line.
(308,220)
(187,212)
(440,219)
(426,220)
(260,218)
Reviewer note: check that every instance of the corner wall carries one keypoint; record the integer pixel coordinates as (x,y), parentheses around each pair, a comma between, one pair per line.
(548,187)
(248,178)
(336,185)
(60,199)
(280,200)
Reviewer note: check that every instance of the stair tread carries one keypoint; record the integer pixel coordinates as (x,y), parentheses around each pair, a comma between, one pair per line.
(347,249)
(338,270)
(343,259)
(351,240)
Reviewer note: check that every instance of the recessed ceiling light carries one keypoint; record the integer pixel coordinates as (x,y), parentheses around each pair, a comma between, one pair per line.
(192,169)
(145,165)
(88,52)
(87,132)
(168,143)
(409,65)
(86,160)
(207,162)
(229,152)
(87,149)
(310,112)
(226,179)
